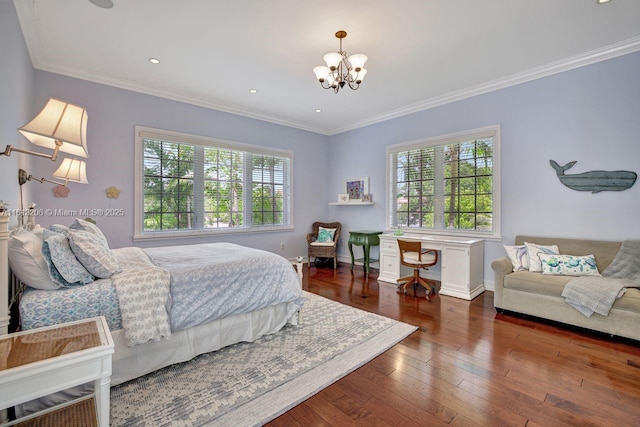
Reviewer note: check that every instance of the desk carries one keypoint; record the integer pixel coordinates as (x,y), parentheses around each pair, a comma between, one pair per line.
(45,360)
(366,239)
(461,262)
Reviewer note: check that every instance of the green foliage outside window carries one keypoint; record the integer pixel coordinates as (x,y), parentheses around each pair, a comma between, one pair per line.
(446,186)
(190,187)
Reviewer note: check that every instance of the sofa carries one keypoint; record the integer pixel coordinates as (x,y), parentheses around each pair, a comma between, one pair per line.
(540,295)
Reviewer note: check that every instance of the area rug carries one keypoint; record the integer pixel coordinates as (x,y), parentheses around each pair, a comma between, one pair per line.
(252,383)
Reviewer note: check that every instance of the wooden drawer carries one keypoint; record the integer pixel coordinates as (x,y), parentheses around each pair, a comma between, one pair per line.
(357,239)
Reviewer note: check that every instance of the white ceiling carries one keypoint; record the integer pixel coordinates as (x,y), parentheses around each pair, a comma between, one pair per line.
(422,53)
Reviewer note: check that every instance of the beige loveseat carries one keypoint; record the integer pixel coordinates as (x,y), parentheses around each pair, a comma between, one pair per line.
(540,295)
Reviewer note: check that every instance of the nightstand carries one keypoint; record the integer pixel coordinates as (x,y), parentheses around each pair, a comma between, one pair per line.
(42,361)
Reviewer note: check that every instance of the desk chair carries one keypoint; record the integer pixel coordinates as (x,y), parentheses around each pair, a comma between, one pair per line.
(412,255)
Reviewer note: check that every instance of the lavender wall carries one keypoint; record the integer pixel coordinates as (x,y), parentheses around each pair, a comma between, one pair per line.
(589,114)
(16,83)
(113,113)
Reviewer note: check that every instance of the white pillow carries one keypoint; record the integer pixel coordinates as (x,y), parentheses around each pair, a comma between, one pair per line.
(518,256)
(533,250)
(27,262)
(569,265)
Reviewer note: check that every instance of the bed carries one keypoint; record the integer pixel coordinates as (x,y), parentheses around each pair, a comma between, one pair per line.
(212,295)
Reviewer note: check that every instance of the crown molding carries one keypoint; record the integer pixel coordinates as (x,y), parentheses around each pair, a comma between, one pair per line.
(582,60)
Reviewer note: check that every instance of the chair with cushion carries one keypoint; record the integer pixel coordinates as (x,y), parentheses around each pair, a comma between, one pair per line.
(322,242)
(412,255)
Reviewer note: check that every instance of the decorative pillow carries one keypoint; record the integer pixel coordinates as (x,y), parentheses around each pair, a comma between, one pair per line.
(64,267)
(81,224)
(569,265)
(518,256)
(27,262)
(59,228)
(325,234)
(533,250)
(93,253)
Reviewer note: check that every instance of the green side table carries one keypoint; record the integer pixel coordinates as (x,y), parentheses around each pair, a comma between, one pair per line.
(366,239)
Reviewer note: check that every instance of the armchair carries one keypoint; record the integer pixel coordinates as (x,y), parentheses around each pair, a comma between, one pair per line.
(324,245)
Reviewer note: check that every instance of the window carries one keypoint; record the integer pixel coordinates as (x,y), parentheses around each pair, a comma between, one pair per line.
(446,185)
(188,185)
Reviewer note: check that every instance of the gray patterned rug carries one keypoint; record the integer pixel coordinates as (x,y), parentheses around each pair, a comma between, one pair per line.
(252,383)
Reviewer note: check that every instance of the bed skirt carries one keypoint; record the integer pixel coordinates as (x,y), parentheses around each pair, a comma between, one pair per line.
(133,362)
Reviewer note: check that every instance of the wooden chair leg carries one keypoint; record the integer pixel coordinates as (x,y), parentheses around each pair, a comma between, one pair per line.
(427,287)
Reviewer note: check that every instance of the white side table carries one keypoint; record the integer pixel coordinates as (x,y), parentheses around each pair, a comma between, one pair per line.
(42,361)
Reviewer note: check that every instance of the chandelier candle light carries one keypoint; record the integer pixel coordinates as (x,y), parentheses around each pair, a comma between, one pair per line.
(340,70)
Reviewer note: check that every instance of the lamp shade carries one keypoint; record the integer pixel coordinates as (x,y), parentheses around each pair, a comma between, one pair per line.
(321,72)
(59,121)
(358,76)
(333,60)
(357,61)
(72,170)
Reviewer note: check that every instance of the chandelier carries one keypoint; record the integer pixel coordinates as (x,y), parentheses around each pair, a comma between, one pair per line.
(340,70)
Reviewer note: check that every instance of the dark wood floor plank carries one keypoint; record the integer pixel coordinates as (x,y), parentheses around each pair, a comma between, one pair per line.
(467,365)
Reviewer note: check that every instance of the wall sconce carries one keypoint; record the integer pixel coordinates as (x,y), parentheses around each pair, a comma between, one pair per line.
(73,170)
(60,126)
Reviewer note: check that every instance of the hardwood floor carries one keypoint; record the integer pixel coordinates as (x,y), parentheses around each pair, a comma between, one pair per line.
(466,365)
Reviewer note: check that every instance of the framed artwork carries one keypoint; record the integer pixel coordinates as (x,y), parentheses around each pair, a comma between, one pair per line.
(366,198)
(343,198)
(357,187)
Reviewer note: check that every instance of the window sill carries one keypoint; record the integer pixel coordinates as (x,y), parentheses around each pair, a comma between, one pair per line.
(194,234)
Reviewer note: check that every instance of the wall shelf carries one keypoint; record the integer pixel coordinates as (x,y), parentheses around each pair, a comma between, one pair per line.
(351,204)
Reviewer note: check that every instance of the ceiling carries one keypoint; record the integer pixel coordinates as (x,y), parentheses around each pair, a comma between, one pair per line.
(422,53)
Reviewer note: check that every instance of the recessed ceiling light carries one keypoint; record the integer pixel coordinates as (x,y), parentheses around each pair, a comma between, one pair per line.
(106,4)
(154,60)
(603,1)
(253,91)
(318,110)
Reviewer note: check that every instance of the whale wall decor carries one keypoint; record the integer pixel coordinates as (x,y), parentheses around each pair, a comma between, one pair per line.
(594,181)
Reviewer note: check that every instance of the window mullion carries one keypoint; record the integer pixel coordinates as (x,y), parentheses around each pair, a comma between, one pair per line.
(198,187)
(438,184)
(247,195)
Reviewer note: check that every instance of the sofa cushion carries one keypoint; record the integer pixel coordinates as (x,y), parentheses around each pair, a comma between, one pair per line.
(536,283)
(630,301)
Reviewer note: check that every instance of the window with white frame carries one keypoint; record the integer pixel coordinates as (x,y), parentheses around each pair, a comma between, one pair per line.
(447,185)
(189,185)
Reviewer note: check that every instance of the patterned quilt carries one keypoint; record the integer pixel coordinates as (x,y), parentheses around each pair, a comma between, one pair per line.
(215,280)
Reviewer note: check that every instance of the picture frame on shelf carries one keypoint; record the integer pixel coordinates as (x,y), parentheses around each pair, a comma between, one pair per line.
(343,198)
(366,198)
(356,188)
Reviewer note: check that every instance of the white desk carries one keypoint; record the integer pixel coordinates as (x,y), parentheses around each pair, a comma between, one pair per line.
(461,262)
